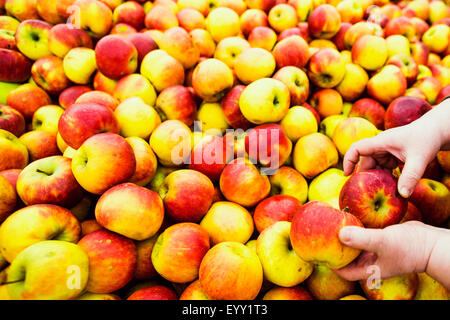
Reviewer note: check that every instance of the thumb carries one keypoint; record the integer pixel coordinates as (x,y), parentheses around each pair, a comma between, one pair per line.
(361,238)
(411,174)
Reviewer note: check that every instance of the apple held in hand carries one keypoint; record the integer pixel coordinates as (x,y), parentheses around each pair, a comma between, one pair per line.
(372,197)
(315,235)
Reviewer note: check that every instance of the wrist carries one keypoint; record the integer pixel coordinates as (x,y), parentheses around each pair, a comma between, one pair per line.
(438,262)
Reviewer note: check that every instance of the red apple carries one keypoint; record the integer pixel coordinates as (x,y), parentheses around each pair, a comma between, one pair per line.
(40,144)
(405,110)
(369,109)
(177,103)
(292,51)
(11,120)
(70,95)
(155,292)
(232,111)
(324,21)
(274,209)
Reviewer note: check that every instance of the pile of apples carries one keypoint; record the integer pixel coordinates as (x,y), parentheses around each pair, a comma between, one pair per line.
(107,191)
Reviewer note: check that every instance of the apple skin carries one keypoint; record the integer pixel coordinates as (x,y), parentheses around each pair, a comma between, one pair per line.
(324,21)
(98,97)
(403,26)
(269,145)
(251,19)
(15,8)
(372,197)
(194,292)
(8,198)
(100,155)
(177,42)
(231,110)
(222,22)
(369,109)
(177,103)
(46,265)
(320,243)
(407,64)
(64,37)
(179,251)
(32,38)
(89,226)
(112,261)
(144,266)
(40,144)
(443,158)
(143,43)
(430,289)
(241,182)
(327,102)
(71,94)
(27,99)
(294,293)
(116,57)
(162,70)
(405,110)
(187,195)
(131,13)
(432,198)
(262,37)
(204,42)
(98,296)
(297,82)
(48,11)
(11,120)
(412,214)
(292,51)
(288,181)
(386,85)
(160,18)
(212,79)
(155,292)
(7,39)
(231,271)
(430,87)
(351,130)
(81,121)
(146,161)
(210,155)
(360,29)
(14,66)
(191,19)
(228,221)
(274,209)
(313,154)
(49,181)
(445,91)
(17,152)
(326,68)
(138,221)
(403,287)
(93,16)
(281,265)
(324,284)
(48,73)
(370,52)
(44,221)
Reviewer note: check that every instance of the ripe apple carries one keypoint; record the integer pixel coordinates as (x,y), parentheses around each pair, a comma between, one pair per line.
(135,85)
(154,292)
(11,120)
(79,65)
(131,13)
(187,195)
(386,85)
(160,18)
(326,68)
(294,293)
(8,198)
(15,67)
(262,37)
(43,221)
(204,42)
(274,209)
(412,214)
(112,261)
(241,182)
(98,97)
(369,109)
(370,52)
(282,16)
(47,265)
(16,8)
(177,42)
(430,289)
(265,101)
(405,110)
(443,157)
(71,94)
(231,109)
(229,49)
(251,19)
(40,144)
(191,19)
(179,251)
(17,152)
(100,155)
(403,287)
(231,271)
(222,23)
(351,130)
(315,235)
(46,118)
(194,292)
(313,154)
(430,87)
(359,30)
(32,38)
(327,102)
(93,16)
(48,73)
(144,266)
(403,26)
(327,186)
(146,162)
(298,123)
(288,181)
(324,284)
(324,21)
(177,103)
(436,38)
(27,99)
(297,82)
(354,82)
(64,37)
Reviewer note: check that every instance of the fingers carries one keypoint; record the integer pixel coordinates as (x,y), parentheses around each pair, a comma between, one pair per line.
(412,172)
(365,147)
(361,238)
(358,269)
(366,163)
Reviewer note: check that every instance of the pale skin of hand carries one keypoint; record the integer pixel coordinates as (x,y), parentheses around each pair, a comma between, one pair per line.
(412,246)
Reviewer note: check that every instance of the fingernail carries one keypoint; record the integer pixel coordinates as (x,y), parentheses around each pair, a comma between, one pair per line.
(404,192)
(345,235)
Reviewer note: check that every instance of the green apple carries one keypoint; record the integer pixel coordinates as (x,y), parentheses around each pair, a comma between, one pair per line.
(327,186)
(48,270)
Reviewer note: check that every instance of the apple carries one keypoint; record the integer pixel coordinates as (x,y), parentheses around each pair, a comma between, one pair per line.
(313,154)
(48,73)
(177,103)
(229,49)
(17,152)
(294,293)
(7,39)
(297,82)
(339,37)
(222,23)
(191,19)
(98,296)
(403,287)
(430,289)
(15,8)
(204,42)
(443,158)
(398,44)
(11,120)
(350,11)
(89,226)
(329,124)
(412,214)
(282,16)
(179,251)
(370,52)
(177,43)
(262,37)
(371,110)
(326,68)
(162,70)
(160,18)
(231,271)
(419,52)
(15,67)
(265,101)
(324,21)
(79,65)
(405,110)
(194,292)
(438,10)
(354,82)
(315,235)
(47,265)
(403,26)
(327,186)
(112,261)
(386,85)
(144,267)
(430,87)
(100,155)
(351,130)
(187,195)
(324,284)
(359,30)
(432,198)
(436,38)
(46,118)
(372,197)
(70,95)
(49,181)
(274,209)
(98,97)
(445,91)
(8,198)
(146,162)
(441,73)
(407,64)
(93,16)
(231,109)
(32,38)
(298,123)
(155,292)
(48,11)
(64,37)
(212,79)
(241,182)
(327,102)
(103,83)
(40,144)
(228,221)
(43,221)
(27,99)
(251,19)
(288,181)
(131,13)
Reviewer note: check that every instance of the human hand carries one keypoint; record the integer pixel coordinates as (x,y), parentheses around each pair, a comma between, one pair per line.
(399,249)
